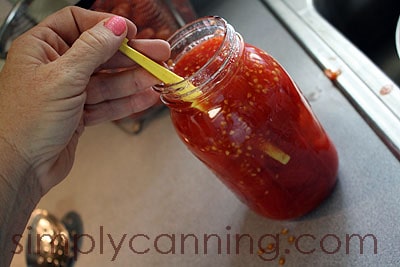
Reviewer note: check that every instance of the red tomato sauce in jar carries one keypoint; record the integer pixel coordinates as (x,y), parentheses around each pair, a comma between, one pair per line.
(258,134)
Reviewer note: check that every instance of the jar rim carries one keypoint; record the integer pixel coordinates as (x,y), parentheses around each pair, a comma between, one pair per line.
(187,30)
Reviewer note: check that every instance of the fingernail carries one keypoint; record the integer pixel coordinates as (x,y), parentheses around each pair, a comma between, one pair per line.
(116,24)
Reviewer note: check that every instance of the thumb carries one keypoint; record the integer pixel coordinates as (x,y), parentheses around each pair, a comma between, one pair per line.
(95,46)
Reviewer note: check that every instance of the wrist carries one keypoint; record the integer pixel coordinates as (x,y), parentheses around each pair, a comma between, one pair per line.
(14,167)
(19,194)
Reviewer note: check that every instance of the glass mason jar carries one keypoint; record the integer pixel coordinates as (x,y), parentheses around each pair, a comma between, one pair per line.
(241,114)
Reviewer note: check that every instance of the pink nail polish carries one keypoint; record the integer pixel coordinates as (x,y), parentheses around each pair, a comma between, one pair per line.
(116,24)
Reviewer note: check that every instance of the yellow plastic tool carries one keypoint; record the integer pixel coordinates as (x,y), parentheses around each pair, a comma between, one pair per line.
(158,71)
(168,77)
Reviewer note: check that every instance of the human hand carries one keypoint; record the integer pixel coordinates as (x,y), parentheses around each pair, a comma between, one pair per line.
(54,83)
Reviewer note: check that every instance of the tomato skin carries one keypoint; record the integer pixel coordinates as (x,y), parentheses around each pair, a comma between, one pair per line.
(122,9)
(256,111)
(153,17)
